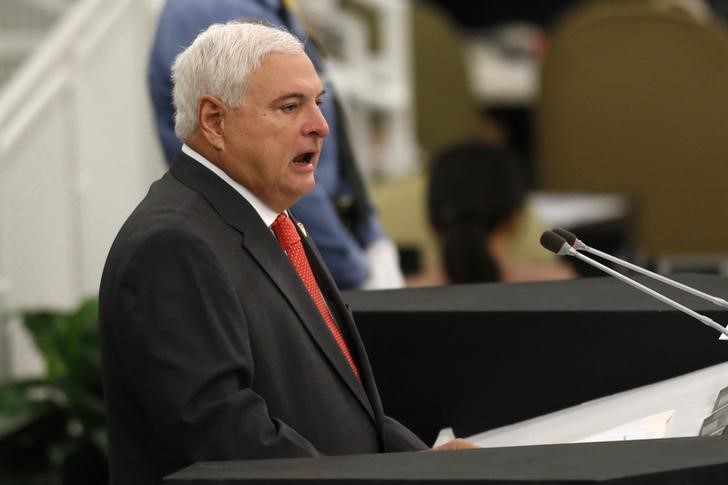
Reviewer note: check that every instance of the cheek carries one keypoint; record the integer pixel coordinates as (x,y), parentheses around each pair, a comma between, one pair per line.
(270,146)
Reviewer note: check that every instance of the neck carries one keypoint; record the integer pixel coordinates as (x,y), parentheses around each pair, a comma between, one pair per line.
(199,144)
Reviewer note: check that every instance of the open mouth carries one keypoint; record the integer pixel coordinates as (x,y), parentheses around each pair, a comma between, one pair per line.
(304,158)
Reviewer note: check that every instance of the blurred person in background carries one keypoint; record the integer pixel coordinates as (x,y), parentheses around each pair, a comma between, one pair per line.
(337,213)
(476,203)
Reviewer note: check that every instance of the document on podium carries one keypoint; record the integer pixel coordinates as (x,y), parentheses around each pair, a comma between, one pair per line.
(668,409)
(647,428)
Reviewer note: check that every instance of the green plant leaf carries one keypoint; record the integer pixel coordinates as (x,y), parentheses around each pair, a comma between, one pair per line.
(53,419)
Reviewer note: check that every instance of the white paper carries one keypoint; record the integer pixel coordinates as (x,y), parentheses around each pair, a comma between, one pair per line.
(650,427)
(445,435)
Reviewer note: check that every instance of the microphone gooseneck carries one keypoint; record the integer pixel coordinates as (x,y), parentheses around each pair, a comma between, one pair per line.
(557,244)
(579,245)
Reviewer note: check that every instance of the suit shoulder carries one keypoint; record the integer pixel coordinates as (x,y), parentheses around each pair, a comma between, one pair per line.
(169,206)
(171,216)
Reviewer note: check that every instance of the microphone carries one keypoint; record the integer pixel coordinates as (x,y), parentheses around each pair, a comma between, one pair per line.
(577,244)
(557,244)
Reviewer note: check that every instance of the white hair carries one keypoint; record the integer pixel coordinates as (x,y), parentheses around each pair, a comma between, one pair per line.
(219,63)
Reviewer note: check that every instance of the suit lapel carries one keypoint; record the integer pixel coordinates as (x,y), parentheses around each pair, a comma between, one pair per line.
(260,242)
(346,322)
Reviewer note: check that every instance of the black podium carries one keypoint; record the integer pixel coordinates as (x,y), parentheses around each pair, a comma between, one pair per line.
(476,357)
(695,461)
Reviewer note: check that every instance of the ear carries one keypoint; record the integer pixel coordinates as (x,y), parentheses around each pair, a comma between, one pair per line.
(210,114)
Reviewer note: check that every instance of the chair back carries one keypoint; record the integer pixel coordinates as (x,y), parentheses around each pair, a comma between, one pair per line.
(634,99)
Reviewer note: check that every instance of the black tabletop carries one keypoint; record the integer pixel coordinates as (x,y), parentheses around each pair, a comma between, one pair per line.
(667,461)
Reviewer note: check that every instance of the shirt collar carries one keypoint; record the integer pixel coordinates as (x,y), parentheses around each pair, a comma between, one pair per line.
(266,213)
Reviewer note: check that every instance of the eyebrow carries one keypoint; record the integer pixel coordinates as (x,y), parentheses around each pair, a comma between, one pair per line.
(299,96)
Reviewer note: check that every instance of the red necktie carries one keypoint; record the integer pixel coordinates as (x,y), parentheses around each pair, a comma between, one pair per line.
(290,241)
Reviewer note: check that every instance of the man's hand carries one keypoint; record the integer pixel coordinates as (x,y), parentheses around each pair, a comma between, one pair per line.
(456,444)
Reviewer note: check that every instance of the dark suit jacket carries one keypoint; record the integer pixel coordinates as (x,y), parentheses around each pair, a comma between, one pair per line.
(212,349)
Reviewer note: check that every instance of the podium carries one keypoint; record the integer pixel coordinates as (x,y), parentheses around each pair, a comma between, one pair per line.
(697,461)
(482,357)
(479,357)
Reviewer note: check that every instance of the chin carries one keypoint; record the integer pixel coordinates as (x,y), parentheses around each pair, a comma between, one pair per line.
(308,183)
(307,188)
(300,190)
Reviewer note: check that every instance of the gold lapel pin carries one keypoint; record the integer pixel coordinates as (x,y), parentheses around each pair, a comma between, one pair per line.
(303,229)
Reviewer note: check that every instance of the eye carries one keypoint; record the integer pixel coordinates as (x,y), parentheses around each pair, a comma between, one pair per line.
(289,108)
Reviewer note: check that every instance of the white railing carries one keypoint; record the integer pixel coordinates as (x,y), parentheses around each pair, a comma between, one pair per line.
(77,151)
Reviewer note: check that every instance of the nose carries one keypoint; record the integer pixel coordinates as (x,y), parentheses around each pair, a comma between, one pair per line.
(316,124)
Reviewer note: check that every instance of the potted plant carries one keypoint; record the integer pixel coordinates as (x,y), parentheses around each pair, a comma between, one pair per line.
(52,428)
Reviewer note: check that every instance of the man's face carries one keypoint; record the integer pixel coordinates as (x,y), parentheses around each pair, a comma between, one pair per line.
(273,140)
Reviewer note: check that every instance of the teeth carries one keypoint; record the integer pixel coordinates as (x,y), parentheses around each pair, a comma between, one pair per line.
(303,158)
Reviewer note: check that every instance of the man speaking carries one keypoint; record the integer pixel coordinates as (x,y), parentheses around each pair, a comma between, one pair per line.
(223,335)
